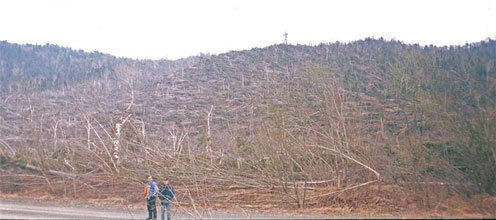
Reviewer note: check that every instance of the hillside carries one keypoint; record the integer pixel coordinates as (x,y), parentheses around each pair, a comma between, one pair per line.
(284,125)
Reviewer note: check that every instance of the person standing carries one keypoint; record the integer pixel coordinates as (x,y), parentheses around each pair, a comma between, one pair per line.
(166,193)
(151,196)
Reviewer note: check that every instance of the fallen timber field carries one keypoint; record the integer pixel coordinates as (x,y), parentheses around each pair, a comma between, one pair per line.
(366,128)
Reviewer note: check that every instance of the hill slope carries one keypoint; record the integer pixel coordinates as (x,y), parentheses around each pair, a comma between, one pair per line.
(288,120)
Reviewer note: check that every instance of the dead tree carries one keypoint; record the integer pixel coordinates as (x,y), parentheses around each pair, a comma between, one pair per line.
(117,131)
(208,146)
(178,138)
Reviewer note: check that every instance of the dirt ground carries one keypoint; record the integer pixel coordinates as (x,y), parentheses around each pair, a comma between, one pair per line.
(49,207)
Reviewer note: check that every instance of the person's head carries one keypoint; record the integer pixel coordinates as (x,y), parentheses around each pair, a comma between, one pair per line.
(150,179)
(166,181)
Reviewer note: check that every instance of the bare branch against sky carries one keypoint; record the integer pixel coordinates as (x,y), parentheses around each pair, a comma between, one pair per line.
(174,29)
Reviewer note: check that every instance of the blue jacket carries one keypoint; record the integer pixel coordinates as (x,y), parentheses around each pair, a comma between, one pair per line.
(151,190)
(166,193)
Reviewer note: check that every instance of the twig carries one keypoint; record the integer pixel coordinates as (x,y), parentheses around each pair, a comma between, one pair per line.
(345,189)
(350,158)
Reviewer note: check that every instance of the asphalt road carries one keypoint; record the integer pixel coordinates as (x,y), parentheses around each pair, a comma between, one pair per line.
(20,210)
(15,209)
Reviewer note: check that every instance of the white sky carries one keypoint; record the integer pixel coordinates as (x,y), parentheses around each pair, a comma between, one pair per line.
(174,29)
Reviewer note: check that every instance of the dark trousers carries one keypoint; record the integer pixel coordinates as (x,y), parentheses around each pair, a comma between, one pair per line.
(152,208)
(165,206)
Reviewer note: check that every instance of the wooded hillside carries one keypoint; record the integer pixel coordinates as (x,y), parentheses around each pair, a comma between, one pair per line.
(284,125)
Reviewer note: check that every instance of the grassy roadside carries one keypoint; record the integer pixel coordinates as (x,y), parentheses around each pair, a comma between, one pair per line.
(381,202)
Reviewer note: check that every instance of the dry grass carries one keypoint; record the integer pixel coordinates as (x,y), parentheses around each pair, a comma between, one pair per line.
(368,202)
(377,200)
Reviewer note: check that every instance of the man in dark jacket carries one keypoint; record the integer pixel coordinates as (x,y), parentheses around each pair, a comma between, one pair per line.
(150,196)
(165,194)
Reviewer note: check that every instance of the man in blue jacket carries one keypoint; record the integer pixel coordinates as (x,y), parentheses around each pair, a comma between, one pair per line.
(165,194)
(150,196)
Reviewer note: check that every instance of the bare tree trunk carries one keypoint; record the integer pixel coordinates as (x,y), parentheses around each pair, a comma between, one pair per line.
(177,140)
(88,130)
(118,127)
(117,142)
(209,137)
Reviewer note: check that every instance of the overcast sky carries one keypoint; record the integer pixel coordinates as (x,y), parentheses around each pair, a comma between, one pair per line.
(174,29)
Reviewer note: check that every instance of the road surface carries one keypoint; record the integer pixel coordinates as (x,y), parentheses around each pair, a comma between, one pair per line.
(15,209)
(21,210)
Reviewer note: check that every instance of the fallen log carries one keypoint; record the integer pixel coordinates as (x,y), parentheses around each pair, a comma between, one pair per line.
(53,172)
